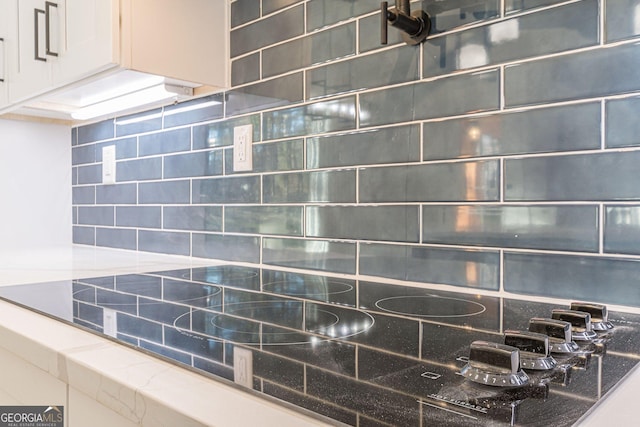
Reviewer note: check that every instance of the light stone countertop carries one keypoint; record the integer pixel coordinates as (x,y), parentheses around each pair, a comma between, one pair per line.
(101,368)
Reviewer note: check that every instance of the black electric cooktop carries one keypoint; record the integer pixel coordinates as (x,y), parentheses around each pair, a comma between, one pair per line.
(360,353)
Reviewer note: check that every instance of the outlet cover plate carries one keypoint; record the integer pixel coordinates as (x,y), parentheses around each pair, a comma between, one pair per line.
(243,367)
(243,148)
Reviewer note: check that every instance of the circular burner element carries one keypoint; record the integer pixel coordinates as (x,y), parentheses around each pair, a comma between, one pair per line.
(430,306)
(308,289)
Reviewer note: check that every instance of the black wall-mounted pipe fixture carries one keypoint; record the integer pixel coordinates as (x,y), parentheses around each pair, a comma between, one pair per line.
(415,26)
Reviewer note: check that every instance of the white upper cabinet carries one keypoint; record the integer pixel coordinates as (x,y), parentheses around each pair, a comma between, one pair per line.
(4,33)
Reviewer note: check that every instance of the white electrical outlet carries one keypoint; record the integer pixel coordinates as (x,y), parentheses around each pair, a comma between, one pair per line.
(243,148)
(109,164)
(109,322)
(243,367)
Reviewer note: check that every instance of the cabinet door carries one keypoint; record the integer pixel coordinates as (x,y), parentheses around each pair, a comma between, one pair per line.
(91,41)
(4,51)
(40,36)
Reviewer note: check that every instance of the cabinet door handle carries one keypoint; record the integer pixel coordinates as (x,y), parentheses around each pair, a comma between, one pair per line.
(1,60)
(47,9)
(36,35)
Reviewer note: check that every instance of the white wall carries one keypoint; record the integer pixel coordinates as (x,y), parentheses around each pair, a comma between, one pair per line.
(35,185)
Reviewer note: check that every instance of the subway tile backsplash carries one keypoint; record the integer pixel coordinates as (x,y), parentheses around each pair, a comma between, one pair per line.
(501,154)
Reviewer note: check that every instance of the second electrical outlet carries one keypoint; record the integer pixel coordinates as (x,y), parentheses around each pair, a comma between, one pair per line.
(243,148)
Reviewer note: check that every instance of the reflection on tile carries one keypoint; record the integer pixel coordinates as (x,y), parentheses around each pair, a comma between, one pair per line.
(95,132)
(146,121)
(567,27)
(272,157)
(245,69)
(273,29)
(165,142)
(267,94)
(243,11)
(118,301)
(541,227)
(608,280)
(90,313)
(337,186)
(323,255)
(192,293)
(178,356)
(139,170)
(220,134)
(121,238)
(622,124)
(140,284)
(512,6)
(622,229)
(191,342)
(116,194)
(463,181)
(477,92)
(320,288)
(229,275)
(467,268)
(379,69)
(279,370)
(164,242)
(601,176)
(391,223)
(319,117)
(566,128)
(227,190)
(138,327)
(580,75)
(194,111)
(321,13)
(96,215)
(388,145)
(314,49)
(138,216)
(283,220)
(200,218)
(164,192)
(269,6)
(450,14)
(162,311)
(228,248)
(206,163)
(621,19)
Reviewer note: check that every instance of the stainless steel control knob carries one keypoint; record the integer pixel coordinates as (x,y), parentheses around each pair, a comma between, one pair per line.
(534,349)
(494,364)
(599,315)
(559,333)
(580,323)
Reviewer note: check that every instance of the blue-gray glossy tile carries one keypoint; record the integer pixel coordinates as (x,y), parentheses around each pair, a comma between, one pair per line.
(513,6)
(118,194)
(566,128)
(139,216)
(274,29)
(280,220)
(473,93)
(74,176)
(220,134)
(589,74)
(96,215)
(120,238)
(339,257)
(622,124)
(83,292)
(245,69)
(622,229)
(337,186)
(84,195)
(389,223)
(139,284)
(601,176)
(140,328)
(196,344)
(117,301)
(146,121)
(126,148)
(192,293)
(567,27)
(90,174)
(272,157)
(225,247)
(95,132)
(319,117)
(272,93)
(139,169)
(197,110)
(316,48)
(450,14)
(621,19)
(467,268)
(227,190)
(167,192)
(384,68)
(90,313)
(74,136)
(269,6)
(321,13)
(388,145)
(553,227)
(162,311)
(83,154)
(598,279)
(196,218)
(243,11)
(178,356)
(84,235)
(164,242)
(448,182)
(165,142)
(207,163)
(107,282)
